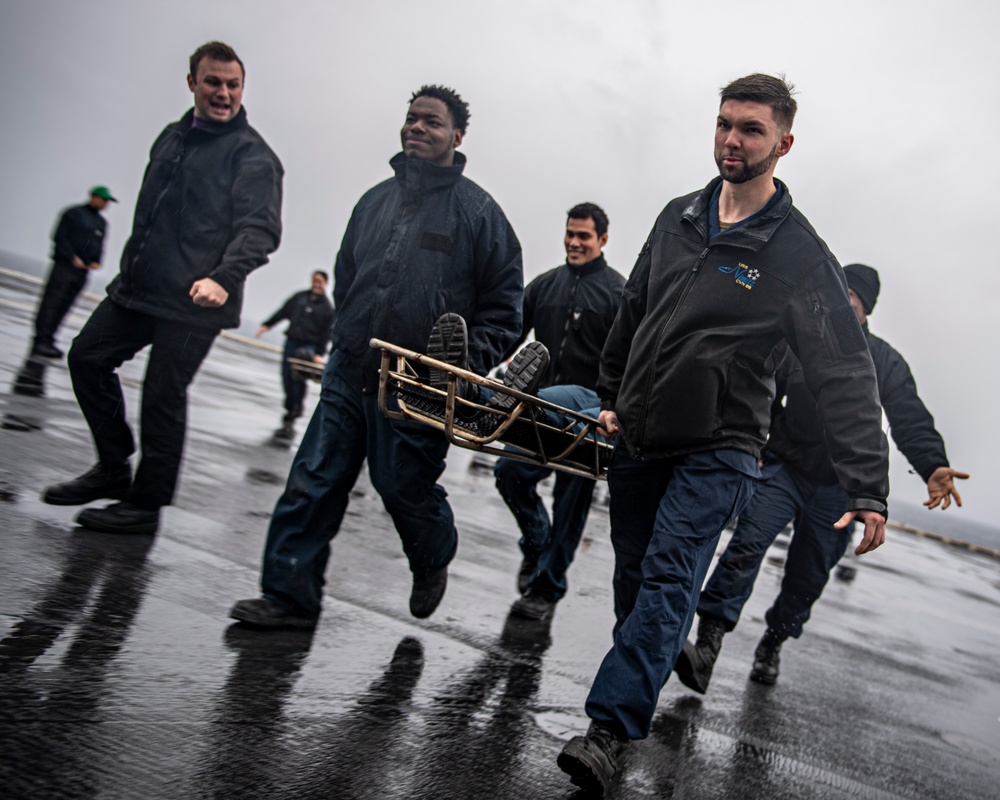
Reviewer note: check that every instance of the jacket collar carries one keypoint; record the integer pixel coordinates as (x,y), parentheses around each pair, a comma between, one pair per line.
(184,124)
(755,233)
(595,265)
(418,177)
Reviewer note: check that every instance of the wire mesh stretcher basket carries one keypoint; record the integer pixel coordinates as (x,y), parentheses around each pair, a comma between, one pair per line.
(533,430)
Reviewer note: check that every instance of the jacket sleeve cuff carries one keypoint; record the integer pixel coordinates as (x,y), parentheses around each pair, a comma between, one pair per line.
(607,404)
(868,504)
(926,472)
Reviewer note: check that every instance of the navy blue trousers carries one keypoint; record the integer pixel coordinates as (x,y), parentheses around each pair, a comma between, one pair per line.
(551,543)
(783,496)
(405,459)
(666,519)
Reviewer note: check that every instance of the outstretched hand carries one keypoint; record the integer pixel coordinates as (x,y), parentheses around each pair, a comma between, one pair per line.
(874,529)
(941,488)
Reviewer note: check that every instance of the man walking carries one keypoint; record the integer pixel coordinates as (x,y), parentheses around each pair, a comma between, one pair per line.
(77,248)
(310,319)
(799,486)
(571,309)
(207,215)
(425,243)
(687,378)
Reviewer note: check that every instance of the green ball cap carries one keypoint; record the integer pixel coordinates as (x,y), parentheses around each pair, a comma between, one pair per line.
(103,191)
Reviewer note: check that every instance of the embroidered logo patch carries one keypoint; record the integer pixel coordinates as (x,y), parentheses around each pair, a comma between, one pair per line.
(746,277)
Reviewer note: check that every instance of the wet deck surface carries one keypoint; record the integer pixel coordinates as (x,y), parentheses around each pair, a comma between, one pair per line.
(121,677)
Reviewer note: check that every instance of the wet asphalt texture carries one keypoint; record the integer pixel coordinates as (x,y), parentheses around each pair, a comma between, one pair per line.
(121,676)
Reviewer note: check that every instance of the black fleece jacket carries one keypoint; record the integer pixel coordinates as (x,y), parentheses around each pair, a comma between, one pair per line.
(689,364)
(81,231)
(571,310)
(797,433)
(310,318)
(209,207)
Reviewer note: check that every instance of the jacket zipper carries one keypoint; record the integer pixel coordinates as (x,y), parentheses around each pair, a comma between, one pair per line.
(685,289)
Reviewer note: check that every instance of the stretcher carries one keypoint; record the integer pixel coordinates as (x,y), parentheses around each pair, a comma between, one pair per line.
(307,370)
(533,430)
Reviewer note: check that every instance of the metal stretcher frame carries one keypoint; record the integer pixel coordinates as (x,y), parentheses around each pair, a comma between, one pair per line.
(575,448)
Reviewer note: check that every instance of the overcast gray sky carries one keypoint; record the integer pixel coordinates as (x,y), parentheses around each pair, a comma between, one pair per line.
(571,101)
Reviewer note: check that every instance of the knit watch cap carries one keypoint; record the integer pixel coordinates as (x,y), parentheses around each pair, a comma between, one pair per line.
(865,283)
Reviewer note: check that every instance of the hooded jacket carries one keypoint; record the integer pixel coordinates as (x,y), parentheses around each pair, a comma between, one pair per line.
(209,207)
(689,364)
(572,309)
(797,432)
(427,242)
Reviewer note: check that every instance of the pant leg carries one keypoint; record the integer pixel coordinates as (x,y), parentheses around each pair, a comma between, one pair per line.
(405,460)
(308,515)
(517,483)
(110,337)
(63,286)
(635,488)
(178,350)
(570,507)
(774,504)
(288,378)
(815,548)
(705,493)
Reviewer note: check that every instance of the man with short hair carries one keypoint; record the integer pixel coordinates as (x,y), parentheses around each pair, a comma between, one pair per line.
(727,275)
(310,319)
(799,486)
(571,309)
(77,248)
(425,244)
(208,214)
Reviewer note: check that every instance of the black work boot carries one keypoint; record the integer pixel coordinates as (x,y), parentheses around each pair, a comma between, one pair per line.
(695,662)
(102,481)
(428,590)
(766,658)
(591,761)
(123,517)
(525,374)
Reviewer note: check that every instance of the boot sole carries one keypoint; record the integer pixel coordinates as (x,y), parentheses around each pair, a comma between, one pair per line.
(582,768)
(760,677)
(267,623)
(146,528)
(65,500)
(448,342)
(523,374)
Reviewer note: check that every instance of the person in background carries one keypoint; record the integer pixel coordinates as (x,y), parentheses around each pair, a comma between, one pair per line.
(571,309)
(799,486)
(310,319)
(77,249)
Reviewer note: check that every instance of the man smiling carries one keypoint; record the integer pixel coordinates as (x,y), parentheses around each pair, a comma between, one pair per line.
(207,215)
(728,274)
(424,244)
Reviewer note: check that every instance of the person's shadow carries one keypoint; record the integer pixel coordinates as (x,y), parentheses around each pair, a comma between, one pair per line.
(46,713)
